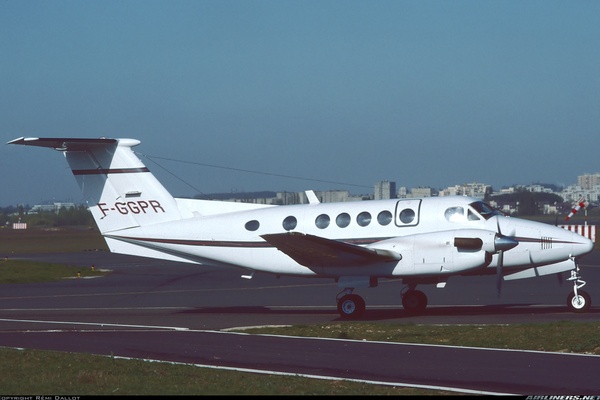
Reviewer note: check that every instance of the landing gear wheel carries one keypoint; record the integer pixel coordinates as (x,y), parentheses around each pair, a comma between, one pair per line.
(414,302)
(351,306)
(580,303)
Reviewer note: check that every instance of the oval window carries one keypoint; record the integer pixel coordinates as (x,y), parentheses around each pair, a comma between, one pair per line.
(322,221)
(384,218)
(454,214)
(289,223)
(252,225)
(343,220)
(407,215)
(364,218)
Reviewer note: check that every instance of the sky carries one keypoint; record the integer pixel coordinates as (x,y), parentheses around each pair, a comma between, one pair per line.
(249,95)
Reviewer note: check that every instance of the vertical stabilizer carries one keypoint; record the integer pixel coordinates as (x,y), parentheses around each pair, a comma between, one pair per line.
(118,188)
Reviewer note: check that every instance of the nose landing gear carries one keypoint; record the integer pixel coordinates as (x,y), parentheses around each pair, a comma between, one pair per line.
(578,300)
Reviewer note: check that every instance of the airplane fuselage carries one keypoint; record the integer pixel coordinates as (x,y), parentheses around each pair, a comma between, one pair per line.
(420,231)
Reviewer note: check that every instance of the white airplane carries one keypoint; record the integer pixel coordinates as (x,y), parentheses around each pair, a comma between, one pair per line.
(420,240)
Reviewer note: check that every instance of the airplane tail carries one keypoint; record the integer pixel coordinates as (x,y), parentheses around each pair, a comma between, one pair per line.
(118,188)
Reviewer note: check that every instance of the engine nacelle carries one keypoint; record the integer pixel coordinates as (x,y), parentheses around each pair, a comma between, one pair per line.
(447,252)
(476,239)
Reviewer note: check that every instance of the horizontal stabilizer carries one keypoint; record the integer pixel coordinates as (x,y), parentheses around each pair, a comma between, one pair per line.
(63,144)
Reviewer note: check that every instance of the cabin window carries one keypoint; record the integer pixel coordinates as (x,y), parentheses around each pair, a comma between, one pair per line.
(363,219)
(343,220)
(455,214)
(407,212)
(289,223)
(484,209)
(384,218)
(471,216)
(252,225)
(407,215)
(322,221)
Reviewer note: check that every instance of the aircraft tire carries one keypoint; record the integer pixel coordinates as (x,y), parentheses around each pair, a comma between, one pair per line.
(414,301)
(351,306)
(581,304)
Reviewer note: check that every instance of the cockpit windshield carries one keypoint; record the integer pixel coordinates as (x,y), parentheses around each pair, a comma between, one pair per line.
(484,209)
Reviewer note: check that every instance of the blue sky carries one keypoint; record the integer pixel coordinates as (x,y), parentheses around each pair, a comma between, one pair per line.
(424,93)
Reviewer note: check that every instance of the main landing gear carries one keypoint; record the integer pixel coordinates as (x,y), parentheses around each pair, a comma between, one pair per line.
(578,300)
(413,301)
(352,306)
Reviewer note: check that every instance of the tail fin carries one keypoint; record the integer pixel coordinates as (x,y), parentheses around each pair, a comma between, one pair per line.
(118,188)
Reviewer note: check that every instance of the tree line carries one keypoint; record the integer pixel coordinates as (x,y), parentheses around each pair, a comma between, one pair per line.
(530,203)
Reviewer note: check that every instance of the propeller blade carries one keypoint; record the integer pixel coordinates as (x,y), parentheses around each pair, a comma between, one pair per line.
(502,243)
(499,277)
(560,279)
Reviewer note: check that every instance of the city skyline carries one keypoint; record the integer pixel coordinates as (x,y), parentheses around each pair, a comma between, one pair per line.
(569,193)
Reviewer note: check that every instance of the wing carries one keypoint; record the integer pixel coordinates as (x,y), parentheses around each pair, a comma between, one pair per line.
(315,251)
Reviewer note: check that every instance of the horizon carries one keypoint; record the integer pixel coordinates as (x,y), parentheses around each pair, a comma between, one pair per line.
(252,192)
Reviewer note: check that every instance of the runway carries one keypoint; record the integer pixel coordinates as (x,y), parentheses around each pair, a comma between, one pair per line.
(181,312)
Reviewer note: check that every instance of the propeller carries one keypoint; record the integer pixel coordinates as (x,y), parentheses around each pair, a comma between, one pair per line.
(559,276)
(499,273)
(501,243)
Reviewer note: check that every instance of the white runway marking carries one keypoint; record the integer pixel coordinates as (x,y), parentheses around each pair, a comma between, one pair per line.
(101,324)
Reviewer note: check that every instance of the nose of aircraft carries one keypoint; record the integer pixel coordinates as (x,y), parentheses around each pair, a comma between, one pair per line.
(580,245)
(584,245)
(569,242)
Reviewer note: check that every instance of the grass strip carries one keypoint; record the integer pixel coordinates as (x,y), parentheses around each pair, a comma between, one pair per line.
(21,271)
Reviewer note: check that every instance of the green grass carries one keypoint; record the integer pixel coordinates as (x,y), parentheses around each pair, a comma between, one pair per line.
(22,271)
(27,372)
(564,336)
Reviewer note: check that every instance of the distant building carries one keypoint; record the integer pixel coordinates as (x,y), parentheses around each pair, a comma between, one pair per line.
(55,207)
(474,189)
(588,181)
(333,196)
(327,196)
(576,192)
(538,189)
(384,190)
(421,192)
(550,209)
